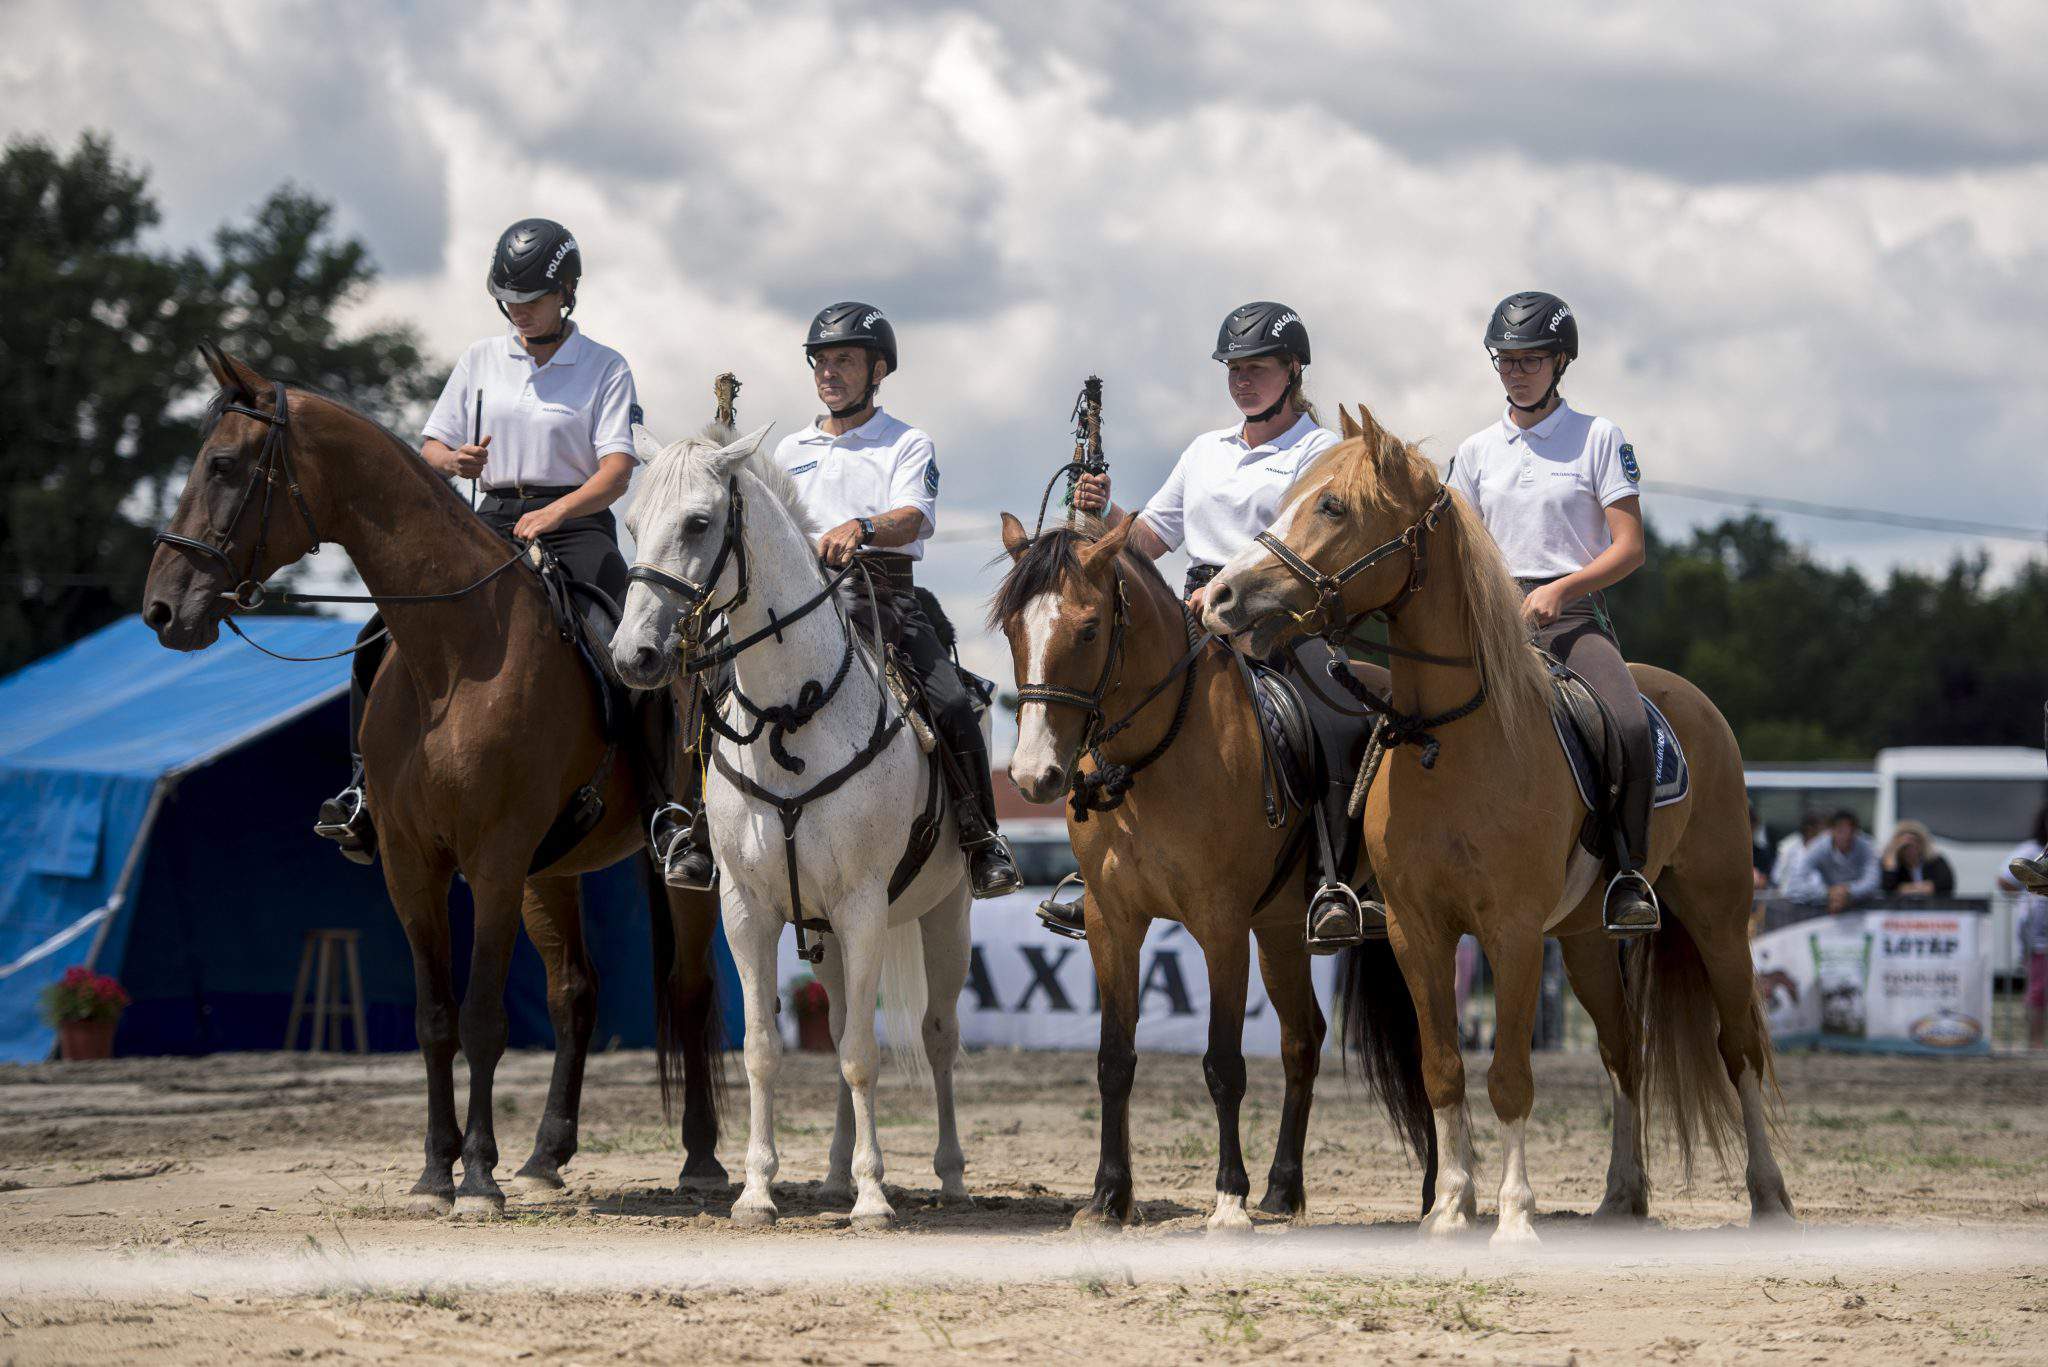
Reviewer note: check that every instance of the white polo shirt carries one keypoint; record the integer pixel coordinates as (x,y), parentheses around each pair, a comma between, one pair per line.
(1222,492)
(878,467)
(1544,493)
(548,424)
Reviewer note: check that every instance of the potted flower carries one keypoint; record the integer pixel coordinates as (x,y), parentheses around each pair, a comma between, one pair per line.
(813,1011)
(85,1007)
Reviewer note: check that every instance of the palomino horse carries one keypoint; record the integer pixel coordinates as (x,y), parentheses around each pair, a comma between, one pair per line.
(811,825)
(1485,840)
(479,727)
(1096,634)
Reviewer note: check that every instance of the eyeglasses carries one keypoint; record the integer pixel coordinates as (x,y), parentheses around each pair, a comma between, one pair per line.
(1523,363)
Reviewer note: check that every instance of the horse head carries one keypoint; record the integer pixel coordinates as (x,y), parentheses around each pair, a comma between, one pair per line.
(1063,608)
(688,524)
(243,514)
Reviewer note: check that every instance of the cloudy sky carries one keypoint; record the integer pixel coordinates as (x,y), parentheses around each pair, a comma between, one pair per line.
(1808,245)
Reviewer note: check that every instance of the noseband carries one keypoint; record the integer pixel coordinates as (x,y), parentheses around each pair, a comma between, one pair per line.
(1090,702)
(273,465)
(1326,617)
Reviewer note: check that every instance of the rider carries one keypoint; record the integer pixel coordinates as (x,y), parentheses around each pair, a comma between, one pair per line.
(1559,491)
(873,482)
(1226,488)
(543,417)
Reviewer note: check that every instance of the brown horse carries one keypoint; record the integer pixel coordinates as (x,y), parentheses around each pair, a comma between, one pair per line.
(1092,630)
(1485,841)
(479,727)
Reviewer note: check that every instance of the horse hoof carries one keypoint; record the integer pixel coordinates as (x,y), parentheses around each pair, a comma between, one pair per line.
(953,1192)
(1620,1211)
(753,1214)
(1450,1226)
(835,1194)
(433,1204)
(480,1207)
(706,1174)
(1230,1218)
(1775,1218)
(538,1184)
(1518,1234)
(1278,1202)
(874,1219)
(1093,1220)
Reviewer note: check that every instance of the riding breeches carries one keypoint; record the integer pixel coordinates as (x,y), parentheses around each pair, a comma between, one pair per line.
(952,711)
(1583,639)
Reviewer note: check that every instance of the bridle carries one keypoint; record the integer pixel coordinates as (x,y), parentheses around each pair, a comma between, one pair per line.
(1089,702)
(273,464)
(696,596)
(1326,618)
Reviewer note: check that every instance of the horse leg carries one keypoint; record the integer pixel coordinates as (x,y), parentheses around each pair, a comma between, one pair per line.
(948,947)
(1114,943)
(1517,959)
(1429,965)
(1223,1067)
(553,911)
(1283,964)
(838,1187)
(753,933)
(483,1038)
(862,927)
(693,918)
(1594,968)
(419,890)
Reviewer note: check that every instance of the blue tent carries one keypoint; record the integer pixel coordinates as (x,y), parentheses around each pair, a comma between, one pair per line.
(155,814)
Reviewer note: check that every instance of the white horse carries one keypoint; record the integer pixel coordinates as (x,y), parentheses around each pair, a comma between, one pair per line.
(754,561)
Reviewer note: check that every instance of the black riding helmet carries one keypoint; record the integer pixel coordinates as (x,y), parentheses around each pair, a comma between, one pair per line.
(1534,320)
(854,324)
(535,256)
(1264,328)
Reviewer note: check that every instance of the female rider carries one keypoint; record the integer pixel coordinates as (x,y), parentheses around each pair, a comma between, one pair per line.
(1557,488)
(542,417)
(1225,489)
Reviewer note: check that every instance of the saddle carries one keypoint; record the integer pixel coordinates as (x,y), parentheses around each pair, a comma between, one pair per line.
(1313,753)
(1591,741)
(585,617)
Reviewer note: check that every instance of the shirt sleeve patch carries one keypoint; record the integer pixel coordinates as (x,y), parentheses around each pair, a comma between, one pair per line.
(636,416)
(803,469)
(931,477)
(1628,464)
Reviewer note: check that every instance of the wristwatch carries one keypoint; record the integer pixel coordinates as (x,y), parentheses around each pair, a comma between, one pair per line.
(867,530)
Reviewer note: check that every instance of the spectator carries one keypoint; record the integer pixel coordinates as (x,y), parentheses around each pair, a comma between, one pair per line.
(1792,850)
(1913,867)
(2030,913)
(1760,853)
(1840,868)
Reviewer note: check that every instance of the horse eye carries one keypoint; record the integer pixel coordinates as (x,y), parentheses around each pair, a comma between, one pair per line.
(1090,632)
(223,465)
(696,524)
(1330,506)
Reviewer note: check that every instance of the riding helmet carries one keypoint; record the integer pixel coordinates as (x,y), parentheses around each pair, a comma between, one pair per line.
(1262,329)
(535,256)
(852,324)
(1533,321)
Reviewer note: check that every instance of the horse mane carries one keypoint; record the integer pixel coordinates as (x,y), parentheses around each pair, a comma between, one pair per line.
(667,472)
(1048,559)
(1516,681)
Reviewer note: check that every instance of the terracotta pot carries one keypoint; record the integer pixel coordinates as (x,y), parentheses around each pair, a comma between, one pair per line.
(86,1039)
(814,1033)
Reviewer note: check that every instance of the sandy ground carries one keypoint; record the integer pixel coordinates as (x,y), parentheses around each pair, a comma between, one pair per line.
(250,1207)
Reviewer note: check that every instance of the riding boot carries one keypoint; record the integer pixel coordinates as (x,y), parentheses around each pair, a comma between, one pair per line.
(677,837)
(681,844)
(345,817)
(1631,907)
(1339,918)
(2031,874)
(991,871)
(1066,919)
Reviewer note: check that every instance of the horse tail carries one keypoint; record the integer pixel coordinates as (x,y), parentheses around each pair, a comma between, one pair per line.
(1380,1028)
(687,1021)
(1671,1004)
(904,998)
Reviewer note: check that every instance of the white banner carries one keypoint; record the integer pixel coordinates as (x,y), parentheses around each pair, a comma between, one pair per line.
(1030,989)
(1915,981)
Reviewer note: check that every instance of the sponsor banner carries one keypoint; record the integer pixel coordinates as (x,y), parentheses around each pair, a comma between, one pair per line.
(1030,989)
(1898,981)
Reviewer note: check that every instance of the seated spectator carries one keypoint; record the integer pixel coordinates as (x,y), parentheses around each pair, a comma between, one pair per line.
(1839,868)
(1913,867)
(1760,854)
(2030,914)
(1792,850)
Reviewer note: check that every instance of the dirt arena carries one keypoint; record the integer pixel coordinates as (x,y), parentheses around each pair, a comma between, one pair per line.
(250,1207)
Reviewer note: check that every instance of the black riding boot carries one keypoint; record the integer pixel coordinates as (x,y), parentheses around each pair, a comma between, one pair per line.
(681,845)
(676,836)
(1631,907)
(345,817)
(991,872)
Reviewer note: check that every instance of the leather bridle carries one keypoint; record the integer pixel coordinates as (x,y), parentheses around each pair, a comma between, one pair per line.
(1089,702)
(696,596)
(1327,617)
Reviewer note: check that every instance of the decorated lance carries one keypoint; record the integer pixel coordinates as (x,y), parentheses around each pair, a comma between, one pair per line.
(726,389)
(1088,459)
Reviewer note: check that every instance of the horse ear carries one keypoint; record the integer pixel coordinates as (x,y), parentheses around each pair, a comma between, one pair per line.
(732,453)
(1102,553)
(645,446)
(242,376)
(1348,425)
(1015,539)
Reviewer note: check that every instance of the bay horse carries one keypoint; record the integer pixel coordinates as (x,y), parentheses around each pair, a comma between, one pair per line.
(1095,633)
(478,728)
(1485,841)
(811,820)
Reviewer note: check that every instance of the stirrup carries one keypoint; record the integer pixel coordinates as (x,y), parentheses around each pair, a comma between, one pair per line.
(669,853)
(357,846)
(1064,918)
(1633,928)
(1370,925)
(2031,874)
(1003,887)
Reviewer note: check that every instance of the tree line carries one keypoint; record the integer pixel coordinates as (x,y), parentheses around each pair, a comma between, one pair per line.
(101,386)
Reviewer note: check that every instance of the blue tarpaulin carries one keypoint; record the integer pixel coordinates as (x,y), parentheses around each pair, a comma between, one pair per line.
(155,823)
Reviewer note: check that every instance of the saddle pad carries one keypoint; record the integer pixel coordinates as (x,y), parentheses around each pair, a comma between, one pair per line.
(1674,779)
(1285,722)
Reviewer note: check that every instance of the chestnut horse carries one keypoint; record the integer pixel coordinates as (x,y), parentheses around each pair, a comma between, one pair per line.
(1485,841)
(1093,630)
(479,726)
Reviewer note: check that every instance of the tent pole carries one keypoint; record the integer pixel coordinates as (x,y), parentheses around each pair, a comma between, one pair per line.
(119,897)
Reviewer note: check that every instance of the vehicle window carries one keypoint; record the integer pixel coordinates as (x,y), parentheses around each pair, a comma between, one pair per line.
(1985,811)
(1042,863)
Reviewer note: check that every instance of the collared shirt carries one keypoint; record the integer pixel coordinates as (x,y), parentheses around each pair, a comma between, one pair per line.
(878,467)
(1223,492)
(1544,492)
(550,424)
(1823,867)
